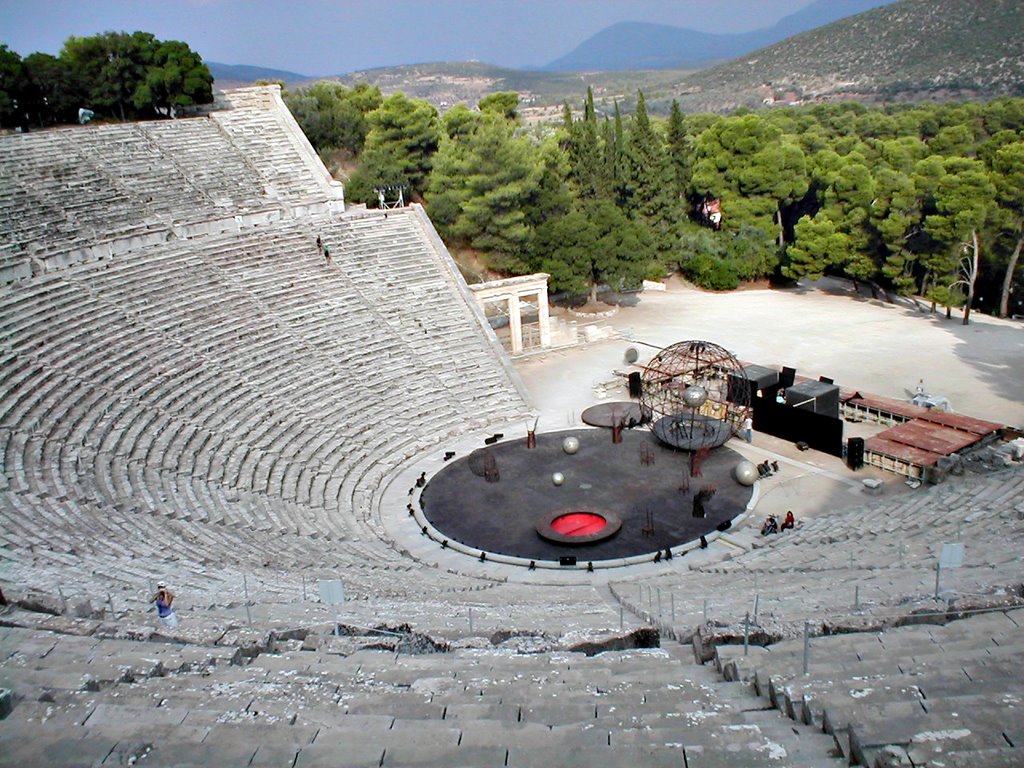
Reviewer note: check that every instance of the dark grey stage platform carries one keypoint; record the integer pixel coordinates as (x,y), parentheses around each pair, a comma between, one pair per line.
(501,516)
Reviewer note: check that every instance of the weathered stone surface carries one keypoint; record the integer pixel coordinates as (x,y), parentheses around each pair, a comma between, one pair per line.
(39,602)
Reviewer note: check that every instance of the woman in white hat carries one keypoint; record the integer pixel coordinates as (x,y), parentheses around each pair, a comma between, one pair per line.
(163,599)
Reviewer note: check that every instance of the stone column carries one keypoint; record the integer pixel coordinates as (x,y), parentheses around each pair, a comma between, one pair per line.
(545,320)
(515,323)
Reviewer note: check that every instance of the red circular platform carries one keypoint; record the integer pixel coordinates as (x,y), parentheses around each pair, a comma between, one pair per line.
(579,524)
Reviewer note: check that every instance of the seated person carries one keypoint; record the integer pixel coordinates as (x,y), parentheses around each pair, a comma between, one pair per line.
(789,522)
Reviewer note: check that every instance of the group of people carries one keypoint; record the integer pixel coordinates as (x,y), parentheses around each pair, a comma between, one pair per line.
(771,525)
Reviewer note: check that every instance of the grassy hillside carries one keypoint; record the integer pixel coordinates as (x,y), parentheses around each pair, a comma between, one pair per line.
(542,93)
(910,50)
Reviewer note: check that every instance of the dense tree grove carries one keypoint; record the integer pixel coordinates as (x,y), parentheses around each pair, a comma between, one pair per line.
(924,199)
(333,116)
(114,74)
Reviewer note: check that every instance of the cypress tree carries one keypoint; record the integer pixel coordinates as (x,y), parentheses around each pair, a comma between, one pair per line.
(648,181)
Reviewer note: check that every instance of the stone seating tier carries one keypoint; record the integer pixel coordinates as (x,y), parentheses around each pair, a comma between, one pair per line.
(149,703)
(909,695)
(67,191)
(162,387)
(843,566)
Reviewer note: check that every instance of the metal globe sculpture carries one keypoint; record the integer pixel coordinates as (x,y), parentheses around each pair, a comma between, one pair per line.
(745,473)
(570,445)
(695,395)
(557,478)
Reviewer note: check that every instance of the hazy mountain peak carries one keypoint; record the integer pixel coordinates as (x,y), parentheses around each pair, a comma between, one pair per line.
(642,45)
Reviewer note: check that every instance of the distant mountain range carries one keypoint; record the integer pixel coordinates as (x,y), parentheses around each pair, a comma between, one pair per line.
(903,51)
(626,46)
(228,75)
(635,45)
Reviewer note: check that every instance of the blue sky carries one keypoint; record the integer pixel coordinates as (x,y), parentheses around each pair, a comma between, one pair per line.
(319,37)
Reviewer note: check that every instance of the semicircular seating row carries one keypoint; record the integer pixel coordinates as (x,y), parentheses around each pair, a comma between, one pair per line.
(876,559)
(213,404)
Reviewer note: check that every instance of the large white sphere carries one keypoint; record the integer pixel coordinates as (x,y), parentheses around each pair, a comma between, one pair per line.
(558,478)
(570,445)
(695,396)
(745,473)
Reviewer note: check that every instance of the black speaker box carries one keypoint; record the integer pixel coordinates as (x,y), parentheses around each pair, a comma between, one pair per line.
(787,377)
(855,452)
(634,384)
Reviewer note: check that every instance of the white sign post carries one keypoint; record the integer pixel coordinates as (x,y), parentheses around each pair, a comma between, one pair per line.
(332,592)
(951,556)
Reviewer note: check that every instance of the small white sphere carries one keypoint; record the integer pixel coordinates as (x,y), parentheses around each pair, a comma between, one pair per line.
(745,473)
(557,478)
(570,445)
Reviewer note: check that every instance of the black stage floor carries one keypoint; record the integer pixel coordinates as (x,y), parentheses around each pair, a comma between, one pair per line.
(501,517)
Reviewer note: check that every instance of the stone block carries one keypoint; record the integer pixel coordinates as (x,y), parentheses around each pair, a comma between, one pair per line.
(341,750)
(529,756)
(31,749)
(227,753)
(38,602)
(486,733)
(560,713)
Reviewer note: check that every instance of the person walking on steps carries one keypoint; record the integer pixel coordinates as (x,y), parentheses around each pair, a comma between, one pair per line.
(327,255)
(162,601)
(748,429)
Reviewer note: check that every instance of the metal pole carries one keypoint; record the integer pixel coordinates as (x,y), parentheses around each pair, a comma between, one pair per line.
(807,646)
(245,586)
(856,597)
(303,587)
(746,633)
(672,596)
(938,577)
(757,600)
(705,610)
(110,601)
(470,619)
